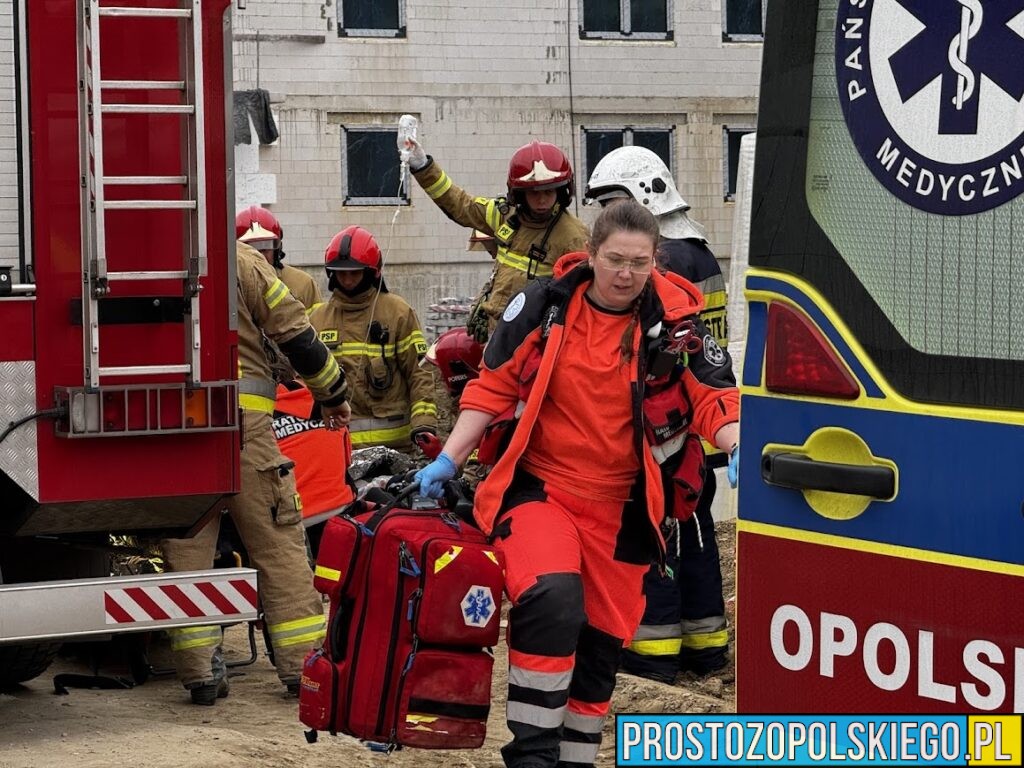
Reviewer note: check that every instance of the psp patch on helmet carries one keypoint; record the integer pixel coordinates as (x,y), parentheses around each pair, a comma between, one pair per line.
(713,353)
(932,95)
(514,307)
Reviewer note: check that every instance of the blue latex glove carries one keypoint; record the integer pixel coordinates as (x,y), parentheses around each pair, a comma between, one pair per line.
(433,476)
(734,467)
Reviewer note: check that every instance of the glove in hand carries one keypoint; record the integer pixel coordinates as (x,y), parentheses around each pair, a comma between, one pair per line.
(478,325)
(734,467)
(433,476)
(414,154)
(428,442)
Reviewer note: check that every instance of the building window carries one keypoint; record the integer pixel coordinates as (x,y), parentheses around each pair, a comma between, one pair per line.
(376,18)
(731,157)
(370,169)
(625,19)
(743,20)
(598,142)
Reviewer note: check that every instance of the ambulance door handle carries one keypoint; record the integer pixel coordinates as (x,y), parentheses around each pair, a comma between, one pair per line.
(794,470)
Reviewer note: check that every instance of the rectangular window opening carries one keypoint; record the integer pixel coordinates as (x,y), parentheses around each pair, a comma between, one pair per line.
(743,21)
(625,19)
(370,167)
(731,137)
(380,18)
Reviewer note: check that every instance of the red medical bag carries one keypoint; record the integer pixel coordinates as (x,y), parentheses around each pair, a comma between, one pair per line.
(415,602)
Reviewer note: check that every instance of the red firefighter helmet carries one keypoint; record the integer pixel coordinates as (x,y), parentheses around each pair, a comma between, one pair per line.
(254,222)
(457,355)
(353,248)
(538,166)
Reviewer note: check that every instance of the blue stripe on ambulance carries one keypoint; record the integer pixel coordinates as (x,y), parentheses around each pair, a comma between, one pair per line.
(938,472)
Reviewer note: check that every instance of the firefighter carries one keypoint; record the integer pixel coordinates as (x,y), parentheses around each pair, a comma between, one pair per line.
(684,623)
(375,336)
(532,225)
(576,500)
(267,511)
(457,356)
(259,228)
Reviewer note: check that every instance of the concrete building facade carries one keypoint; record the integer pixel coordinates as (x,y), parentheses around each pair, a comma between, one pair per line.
(483,78)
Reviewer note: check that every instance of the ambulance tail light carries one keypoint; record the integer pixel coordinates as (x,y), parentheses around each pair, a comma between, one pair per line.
(800,361)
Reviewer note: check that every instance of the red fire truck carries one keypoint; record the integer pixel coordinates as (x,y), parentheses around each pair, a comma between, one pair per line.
(118,400)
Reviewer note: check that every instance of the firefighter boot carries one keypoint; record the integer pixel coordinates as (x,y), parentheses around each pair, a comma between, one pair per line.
(206,694)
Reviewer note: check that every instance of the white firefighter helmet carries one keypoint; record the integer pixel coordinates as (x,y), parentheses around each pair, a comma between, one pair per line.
(641,174)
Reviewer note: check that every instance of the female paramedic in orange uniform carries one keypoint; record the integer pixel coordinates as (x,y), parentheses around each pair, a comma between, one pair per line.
(604,364)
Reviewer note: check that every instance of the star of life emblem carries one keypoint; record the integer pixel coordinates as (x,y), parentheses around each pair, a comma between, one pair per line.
(933,96)
(478,606)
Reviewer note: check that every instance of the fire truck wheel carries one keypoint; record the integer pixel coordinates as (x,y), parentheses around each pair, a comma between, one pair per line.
(19,663)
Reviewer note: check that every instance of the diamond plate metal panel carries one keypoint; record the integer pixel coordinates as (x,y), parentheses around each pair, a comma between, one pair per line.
(18,455)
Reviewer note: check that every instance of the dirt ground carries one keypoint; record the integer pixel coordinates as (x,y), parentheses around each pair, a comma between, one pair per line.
(154,725)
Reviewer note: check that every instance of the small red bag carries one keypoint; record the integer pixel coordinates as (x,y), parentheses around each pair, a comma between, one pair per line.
(317,687)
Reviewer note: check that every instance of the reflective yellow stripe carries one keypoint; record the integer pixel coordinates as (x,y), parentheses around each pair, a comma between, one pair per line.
(308,630)
(439,187)
(355,348)
(668,647)
(715,301)
(326,375)
(491,212)
(423,408)
(256,403)
(310,638)
(709,640)
(523,263)
(288,626)
(379,436)
(194,637)
(275,294)
(327,573)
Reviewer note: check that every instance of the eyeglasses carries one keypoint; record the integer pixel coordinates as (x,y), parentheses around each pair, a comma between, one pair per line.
(617,264)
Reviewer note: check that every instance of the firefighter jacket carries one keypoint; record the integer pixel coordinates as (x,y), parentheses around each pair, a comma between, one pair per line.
(525,249)
(302,286)
(692,259)
(268,312)
(525,349)
(379,345)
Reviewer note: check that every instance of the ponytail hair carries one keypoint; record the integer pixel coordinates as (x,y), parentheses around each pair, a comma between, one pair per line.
(626,343)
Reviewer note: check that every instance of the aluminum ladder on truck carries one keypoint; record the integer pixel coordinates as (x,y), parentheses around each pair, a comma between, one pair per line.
(96,278)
